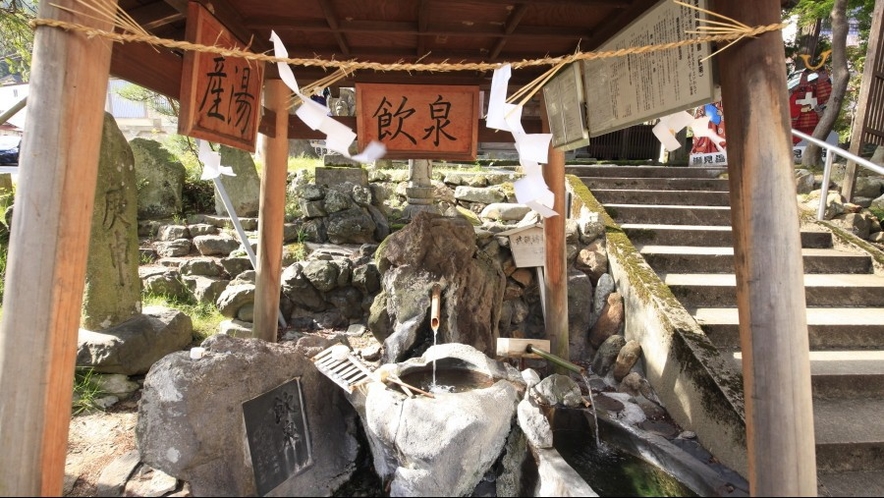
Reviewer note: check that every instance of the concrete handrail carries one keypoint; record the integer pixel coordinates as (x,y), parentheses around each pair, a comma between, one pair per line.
(831,151)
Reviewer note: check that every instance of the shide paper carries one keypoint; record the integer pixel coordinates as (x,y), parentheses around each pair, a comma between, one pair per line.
(533,148)
(338,137)
(212,163)
(670,125)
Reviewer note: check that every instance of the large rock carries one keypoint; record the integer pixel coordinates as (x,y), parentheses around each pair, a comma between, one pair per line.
(579,307)
(112,293)
(131,347)
(244,189)
(435,249)
(193,421)
(160,179)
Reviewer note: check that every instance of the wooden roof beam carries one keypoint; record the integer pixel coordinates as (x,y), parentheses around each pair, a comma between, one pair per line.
(155,15)
(332,19)
(511,23)
(423,24)
(232,20)
(616,4)
(411,28)
(179,5)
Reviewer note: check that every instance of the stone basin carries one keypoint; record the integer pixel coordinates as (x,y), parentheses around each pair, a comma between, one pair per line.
(444,445)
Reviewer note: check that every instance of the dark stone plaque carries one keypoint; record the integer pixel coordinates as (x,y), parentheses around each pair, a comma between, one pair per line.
(279,442)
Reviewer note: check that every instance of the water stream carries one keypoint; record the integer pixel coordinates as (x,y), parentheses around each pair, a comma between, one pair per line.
(435,304)
(595,417)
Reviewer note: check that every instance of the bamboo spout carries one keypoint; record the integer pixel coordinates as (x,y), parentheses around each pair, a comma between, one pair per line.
(556,360)
(435,306)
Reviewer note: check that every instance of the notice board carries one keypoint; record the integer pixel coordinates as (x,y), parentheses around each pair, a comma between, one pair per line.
(566,108)
(220,96)
(628,90)
(419,121)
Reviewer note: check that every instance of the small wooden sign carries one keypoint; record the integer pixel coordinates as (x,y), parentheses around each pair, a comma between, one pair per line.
(220,96)
(419,121)
(527,245)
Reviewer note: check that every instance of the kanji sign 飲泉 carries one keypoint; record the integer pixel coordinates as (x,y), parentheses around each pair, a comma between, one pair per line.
(419,121)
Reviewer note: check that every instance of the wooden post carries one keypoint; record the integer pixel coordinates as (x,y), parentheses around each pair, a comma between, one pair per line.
(555,269)
(871,72)
(46,264)
(271,214)
(767,250)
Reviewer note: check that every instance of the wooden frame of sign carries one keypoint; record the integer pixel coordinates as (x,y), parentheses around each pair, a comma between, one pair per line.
(419,121)
(220,96)
(565,104)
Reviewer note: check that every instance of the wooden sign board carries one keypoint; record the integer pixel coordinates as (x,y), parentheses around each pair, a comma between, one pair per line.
(220,96)
(527,245)
(278,437)
(419,121)
(566,109)
(628,90)
(516,348)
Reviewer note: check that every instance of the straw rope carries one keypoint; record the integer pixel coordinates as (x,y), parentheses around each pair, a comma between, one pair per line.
(349,66)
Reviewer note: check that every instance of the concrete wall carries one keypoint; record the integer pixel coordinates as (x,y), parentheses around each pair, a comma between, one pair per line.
(697,387)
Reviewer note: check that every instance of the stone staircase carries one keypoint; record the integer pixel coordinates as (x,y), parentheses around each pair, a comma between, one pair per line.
(679,220)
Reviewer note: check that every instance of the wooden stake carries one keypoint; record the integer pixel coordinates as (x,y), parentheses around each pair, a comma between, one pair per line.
(46,265)
(767,256)
(271,215)
(555,271)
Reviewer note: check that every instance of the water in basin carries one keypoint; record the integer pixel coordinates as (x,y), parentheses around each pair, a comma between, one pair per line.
(614,472)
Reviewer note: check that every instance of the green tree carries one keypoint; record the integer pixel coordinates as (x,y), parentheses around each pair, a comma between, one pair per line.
(16,36)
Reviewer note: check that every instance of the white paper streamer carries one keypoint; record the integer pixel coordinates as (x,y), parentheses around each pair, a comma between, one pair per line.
(670,125)
(212,163)
(533,148)
(497,110)
(338,137)
(285,72)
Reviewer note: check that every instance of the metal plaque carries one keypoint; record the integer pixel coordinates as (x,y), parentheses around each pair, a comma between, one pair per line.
(279,440)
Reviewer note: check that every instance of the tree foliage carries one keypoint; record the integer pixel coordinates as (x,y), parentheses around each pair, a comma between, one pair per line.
(814,18)
(16,36)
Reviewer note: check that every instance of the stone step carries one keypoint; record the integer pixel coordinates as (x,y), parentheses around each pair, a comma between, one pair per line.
(843,374)
(849,434)
(821,290)
(670,214)
(710,184)
(827,328)
(700,259)
(658,197)
(682,228)
(613,170)
(712,236)
(854,483)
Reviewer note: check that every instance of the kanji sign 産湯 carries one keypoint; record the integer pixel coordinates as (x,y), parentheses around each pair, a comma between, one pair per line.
(419,121)
(220,96)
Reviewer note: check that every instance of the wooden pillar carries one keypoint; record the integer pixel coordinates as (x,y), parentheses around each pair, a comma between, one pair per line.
(271,213)
(871,72)
(49,238)
(767,256)
(555,269)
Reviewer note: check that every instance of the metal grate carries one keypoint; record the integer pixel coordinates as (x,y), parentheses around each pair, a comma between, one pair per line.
(340,365)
